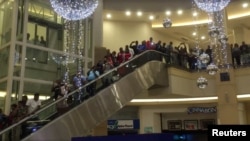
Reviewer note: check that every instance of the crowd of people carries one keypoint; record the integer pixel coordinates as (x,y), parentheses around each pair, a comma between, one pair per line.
(179,55)
(19,111)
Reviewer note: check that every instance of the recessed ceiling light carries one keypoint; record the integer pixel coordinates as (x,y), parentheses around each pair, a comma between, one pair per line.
(203,37)
(128,13)
(195,14)
(168,13)
(108,16)
(179,12)
(139,13)
(151,17)
(194,33)
(245,5)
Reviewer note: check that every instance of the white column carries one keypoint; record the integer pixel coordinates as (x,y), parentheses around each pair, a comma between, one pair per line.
(149,119)
(238,35)
(98,25)
(11,58)
(242,113)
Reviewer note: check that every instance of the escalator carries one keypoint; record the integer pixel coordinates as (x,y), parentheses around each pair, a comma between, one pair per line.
(144,71)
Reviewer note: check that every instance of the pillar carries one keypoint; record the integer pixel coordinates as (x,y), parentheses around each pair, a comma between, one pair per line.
(242,113)
(228,112)
(98,25)
(150,122)
(226,91)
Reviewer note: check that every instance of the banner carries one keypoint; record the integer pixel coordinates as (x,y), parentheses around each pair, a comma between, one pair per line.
(194,110)
(123,124)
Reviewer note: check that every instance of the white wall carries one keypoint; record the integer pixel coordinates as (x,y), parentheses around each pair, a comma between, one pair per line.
(118,34)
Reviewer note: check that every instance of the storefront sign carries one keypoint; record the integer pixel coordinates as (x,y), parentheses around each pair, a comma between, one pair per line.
(123,124)
(193,110)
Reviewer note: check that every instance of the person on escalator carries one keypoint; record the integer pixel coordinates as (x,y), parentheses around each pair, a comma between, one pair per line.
(78,81)
(33,105)
(56,89)
(93,73)
(107,66)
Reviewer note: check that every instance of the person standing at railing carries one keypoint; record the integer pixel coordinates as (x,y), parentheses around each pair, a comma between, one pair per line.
(150,45)
(169,53)
(244,53)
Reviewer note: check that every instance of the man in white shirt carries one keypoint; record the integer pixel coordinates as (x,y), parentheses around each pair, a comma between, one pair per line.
(33,105)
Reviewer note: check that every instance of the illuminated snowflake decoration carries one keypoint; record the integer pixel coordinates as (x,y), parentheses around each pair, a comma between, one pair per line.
(202,82)
(222,38)
(211,5)
(213,31)
(74,9)
(167,23)
(204,58)
(212,69)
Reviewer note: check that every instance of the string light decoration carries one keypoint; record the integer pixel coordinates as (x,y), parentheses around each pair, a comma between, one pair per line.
(219,42)
(211,5)
(74,9)
(73,43)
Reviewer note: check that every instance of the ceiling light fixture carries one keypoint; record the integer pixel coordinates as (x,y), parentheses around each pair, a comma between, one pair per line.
(128,13)
(74,9)
(151,17)
(211,5)
(139,13)
(179,12)
(245,5)
(195,14)
(168,13)
(212,98)
(108,16)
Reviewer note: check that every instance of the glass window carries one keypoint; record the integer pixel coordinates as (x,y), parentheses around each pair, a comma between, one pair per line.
(4,63)
(31,31)
(3,86)
(33,87)
(17,60)
(42,10)
(20,20)
(15,89)
(49,66)
(5,27)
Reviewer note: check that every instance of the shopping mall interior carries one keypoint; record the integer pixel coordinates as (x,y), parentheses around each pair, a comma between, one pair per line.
(155,91)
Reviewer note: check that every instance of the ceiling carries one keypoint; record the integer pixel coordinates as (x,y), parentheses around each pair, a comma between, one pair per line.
(183,33)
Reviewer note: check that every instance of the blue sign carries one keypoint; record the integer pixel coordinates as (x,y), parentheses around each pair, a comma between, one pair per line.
(123,124)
